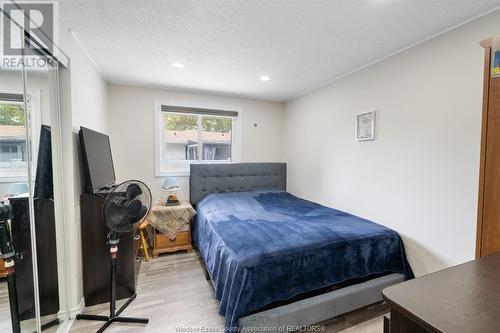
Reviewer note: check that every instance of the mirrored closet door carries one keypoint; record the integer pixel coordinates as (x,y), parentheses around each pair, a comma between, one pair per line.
(13,185)
(32,271)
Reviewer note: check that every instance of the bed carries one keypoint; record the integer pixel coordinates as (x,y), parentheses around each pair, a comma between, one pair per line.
(261,245)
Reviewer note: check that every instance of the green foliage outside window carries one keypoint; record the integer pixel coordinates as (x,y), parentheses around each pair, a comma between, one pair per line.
(216,124)
(11,114)
(180,122)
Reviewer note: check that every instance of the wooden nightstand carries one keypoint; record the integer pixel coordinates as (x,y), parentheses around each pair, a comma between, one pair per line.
(171,228)
(2,269)
(163,244)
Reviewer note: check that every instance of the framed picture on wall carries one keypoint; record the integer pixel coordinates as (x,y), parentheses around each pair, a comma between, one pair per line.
(495,63)
(365,126)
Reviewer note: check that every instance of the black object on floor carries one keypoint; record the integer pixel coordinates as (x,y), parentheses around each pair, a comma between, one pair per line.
(124,209)
(96,272)
(8,253)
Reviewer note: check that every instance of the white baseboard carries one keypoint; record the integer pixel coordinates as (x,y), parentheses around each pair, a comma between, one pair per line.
(77,309)
(65,326)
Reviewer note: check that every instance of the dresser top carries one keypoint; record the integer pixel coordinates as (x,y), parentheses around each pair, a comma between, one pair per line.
(460,299)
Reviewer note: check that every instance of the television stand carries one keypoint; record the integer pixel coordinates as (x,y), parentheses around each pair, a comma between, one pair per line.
(95,254)
(105,190)
(45,232)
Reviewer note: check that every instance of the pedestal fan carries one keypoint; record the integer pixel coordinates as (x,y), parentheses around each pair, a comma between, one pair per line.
(125,207)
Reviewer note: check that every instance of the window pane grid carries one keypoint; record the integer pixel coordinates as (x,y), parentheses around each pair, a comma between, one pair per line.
(189,138)
(12,139)
(216,139)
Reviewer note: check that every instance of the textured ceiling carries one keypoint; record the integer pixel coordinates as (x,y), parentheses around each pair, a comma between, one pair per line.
(227,45)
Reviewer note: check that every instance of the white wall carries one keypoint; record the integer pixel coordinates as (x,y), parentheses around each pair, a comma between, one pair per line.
(420,176)
(83,103)
(131,112)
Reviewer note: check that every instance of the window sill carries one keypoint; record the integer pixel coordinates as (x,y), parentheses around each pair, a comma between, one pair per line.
(14,177)
(183,172)
(172,173)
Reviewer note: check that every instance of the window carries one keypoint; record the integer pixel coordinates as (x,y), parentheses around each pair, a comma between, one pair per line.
(188,135)
(13,149)
(13,161)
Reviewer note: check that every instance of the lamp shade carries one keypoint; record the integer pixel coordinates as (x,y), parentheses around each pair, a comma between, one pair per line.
(18,188)
(170,184)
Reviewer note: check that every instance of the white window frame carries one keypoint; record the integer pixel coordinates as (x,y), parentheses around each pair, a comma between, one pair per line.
(181,168)
(34,122)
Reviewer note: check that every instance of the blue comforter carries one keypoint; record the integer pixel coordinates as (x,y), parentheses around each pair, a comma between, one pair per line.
(264,246)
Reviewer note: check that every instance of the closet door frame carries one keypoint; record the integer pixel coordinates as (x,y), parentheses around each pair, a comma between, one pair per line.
(481,251)
(55,61)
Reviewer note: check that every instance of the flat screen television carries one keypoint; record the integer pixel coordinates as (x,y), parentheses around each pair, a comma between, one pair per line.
(97,161)
(44,185)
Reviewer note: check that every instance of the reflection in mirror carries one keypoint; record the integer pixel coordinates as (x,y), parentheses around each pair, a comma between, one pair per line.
(16,271)
(39,89)
(32,284)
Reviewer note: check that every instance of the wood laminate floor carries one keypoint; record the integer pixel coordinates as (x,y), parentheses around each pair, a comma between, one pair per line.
(26,325)
(174,295)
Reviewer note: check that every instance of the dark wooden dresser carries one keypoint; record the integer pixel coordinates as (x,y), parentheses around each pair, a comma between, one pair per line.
(45,231)
(461,299)
(95,254)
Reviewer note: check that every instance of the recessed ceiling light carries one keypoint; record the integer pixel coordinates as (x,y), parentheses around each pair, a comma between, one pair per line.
(264,78)
(177,65)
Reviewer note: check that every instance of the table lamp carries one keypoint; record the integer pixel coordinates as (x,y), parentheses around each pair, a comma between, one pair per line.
(171,186)
(17,188)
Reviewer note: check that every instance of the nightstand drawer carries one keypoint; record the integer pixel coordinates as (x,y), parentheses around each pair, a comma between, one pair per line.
(163,241)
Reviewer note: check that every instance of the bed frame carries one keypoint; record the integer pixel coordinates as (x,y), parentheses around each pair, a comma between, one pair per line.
(237,177)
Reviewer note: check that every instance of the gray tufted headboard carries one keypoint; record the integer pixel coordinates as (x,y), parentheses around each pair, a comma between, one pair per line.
(235,177)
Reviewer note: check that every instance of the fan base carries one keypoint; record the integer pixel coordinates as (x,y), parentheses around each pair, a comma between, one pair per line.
(116,318)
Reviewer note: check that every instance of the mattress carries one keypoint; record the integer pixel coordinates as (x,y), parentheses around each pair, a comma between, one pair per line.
(265,246)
